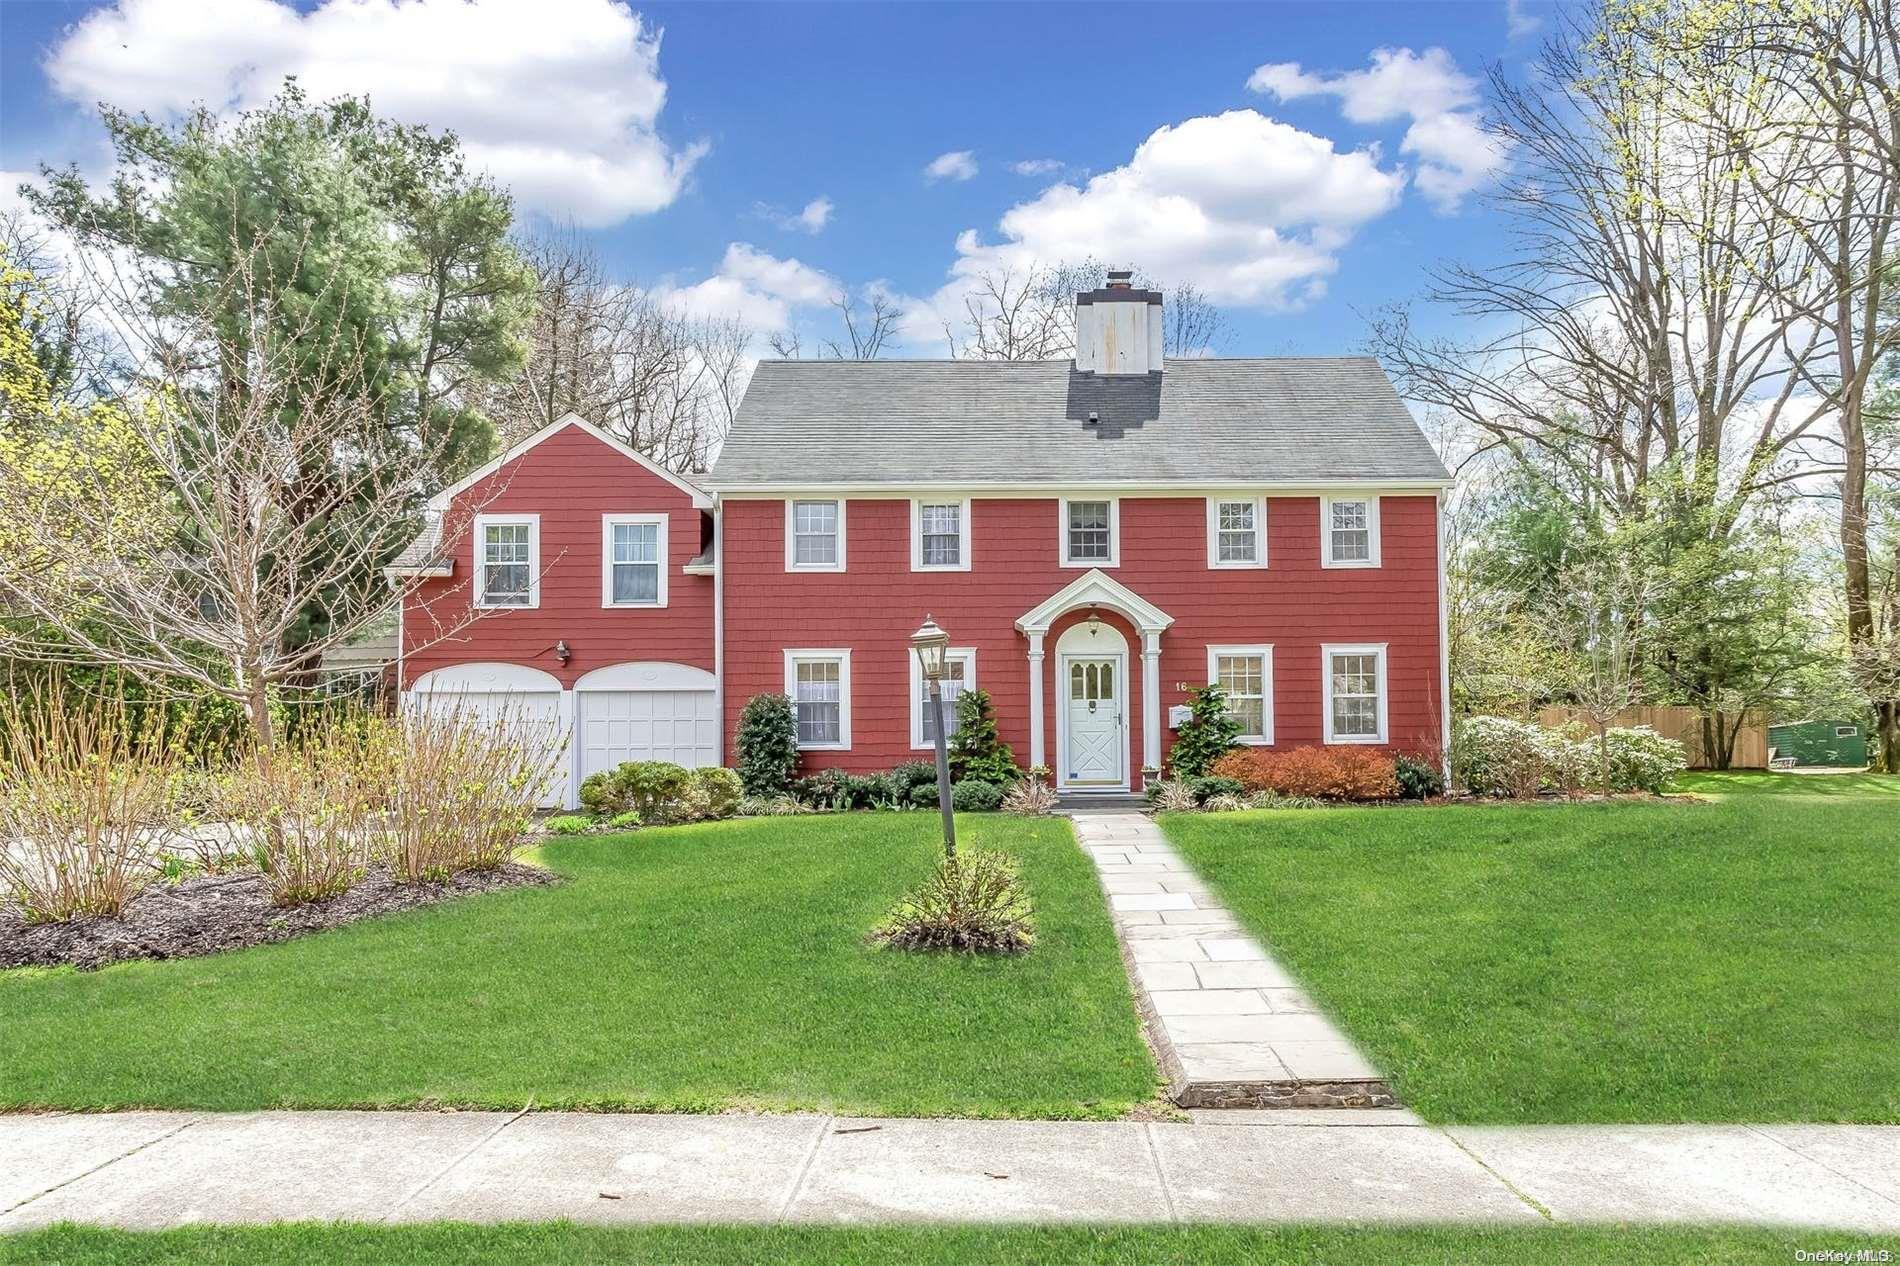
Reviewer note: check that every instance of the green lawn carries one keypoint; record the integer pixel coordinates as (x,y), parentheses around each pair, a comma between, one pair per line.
(687,969)
(919,1246)
(1732,960)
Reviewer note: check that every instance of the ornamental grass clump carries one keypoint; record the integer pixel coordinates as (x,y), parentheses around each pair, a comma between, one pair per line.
(973,903)
(461,789)
(1033,797)
(307,813)
(86,807)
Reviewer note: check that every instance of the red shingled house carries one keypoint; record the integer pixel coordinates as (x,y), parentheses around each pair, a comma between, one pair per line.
(1098,535)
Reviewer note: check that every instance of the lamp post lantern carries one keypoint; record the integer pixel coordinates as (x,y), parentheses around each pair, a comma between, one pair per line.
(932,645)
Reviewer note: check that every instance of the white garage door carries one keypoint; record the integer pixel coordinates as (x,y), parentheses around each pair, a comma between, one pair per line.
(506,695)
(646,711)
(623,725)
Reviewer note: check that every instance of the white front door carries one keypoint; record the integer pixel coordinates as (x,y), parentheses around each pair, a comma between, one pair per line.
(1094,748)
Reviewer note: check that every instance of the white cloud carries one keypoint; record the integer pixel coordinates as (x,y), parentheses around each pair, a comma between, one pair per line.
(816,215)
(1455,155)
(1250,210)
(760,290)
(1037,166)
(1517,23)
(812,218)
(958,164)
(558,99)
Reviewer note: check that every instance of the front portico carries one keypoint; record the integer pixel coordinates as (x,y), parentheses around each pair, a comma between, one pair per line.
(1094,661)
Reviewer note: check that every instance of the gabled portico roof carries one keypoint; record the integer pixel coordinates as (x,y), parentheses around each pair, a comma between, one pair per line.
(1094,588)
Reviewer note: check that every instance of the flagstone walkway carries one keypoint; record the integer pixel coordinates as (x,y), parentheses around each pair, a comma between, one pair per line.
(1230,1026)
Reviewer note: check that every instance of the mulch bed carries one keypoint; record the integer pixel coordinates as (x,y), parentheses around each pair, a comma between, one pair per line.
(211,913)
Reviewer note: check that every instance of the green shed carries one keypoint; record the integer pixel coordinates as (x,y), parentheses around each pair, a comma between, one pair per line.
(1838,743)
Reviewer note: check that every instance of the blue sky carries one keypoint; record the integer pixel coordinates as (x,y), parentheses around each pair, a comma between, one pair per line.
(689,138)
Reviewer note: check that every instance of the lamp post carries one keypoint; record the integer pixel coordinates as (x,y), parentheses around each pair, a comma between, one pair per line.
(932,645)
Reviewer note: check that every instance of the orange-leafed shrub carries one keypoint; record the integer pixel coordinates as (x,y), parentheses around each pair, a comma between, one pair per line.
(1326,773)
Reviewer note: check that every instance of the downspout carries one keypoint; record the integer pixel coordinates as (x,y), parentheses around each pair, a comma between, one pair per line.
(719,624)
(1444,646)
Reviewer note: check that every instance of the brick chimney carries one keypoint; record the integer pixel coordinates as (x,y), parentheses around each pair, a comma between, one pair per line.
(1118,328)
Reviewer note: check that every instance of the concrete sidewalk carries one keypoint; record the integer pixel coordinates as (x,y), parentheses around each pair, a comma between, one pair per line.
(151,1169)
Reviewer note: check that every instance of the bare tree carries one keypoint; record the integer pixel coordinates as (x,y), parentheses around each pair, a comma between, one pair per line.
(1644,318)
(868,330)
(665,382)
(258,438)
(1030,314)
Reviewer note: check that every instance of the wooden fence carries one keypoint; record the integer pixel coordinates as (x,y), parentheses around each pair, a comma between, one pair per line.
(1751,741)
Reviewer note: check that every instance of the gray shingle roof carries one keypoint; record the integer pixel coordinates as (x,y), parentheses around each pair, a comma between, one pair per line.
(1209,422)
(423,552)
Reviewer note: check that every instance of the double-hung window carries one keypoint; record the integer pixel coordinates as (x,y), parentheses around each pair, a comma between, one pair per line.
(1349,531)
(819,683)
(1355,693)
(507,560)
(959,675)
(634,560)
(1091,532)
(814,535)
(1236,532)
(1245,676)
(940,534)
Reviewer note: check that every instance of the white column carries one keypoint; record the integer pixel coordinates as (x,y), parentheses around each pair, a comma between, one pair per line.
(570,721)
(1035,700)
(1151,718)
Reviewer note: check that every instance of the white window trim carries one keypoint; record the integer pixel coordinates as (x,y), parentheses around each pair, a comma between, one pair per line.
(1326,654)
(1114,558)
(1326,531)
(917,505)
(1213,533)
(967,654)
(607,524)
(482,523)
(843,657)
(1265,652)
(791,537)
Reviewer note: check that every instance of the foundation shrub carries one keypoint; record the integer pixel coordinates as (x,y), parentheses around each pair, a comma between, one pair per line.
(909,786)
(1207,787)
(1418,779)
(1322,773)
(721,790)
(973,795)
(86,806)
(1208,734)
(976,751)
(837,791)
(768,745)
(973,904)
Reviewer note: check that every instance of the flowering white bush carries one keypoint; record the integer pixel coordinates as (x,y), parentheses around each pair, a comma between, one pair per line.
(1569,761)
(1643,760)
(1496,756)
